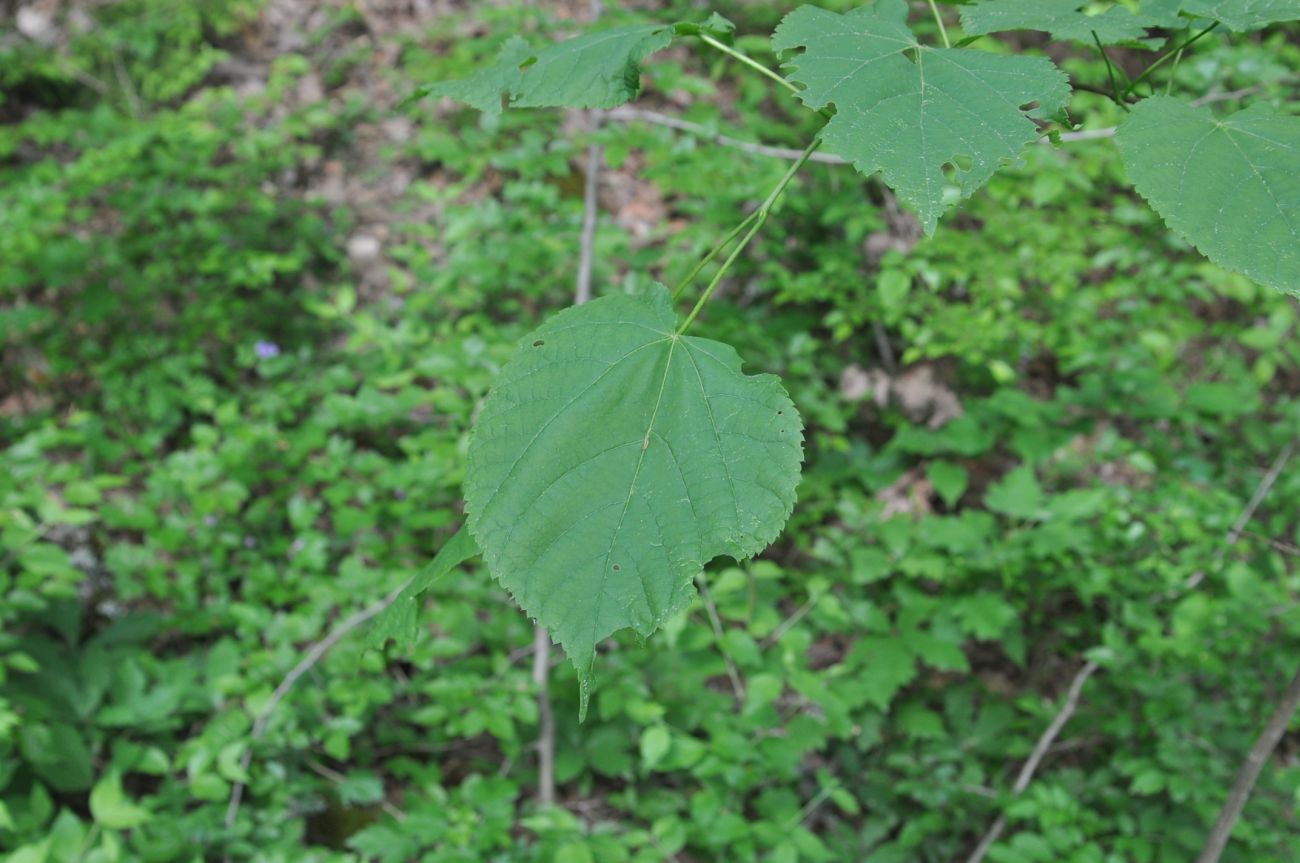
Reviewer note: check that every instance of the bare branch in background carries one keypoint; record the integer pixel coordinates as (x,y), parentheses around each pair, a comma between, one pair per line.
(1249,773)
(1035,758)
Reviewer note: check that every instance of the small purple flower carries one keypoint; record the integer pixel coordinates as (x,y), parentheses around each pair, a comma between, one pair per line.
(250,542)
(297,546)
(399,493)
(209,521)
(266,350)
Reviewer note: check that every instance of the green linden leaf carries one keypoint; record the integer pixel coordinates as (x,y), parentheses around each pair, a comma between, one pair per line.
(1229,186)
(1064,19)
(906,109)
(595,70)
(614,458)
(1242,15)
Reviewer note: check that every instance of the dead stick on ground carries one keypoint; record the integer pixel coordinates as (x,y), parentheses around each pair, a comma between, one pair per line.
(1249,773)
(1035,758)
(1261,492)
(733,673)
(545,718)
(309,659)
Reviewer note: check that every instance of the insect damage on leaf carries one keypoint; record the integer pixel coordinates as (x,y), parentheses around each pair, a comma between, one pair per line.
(606,470)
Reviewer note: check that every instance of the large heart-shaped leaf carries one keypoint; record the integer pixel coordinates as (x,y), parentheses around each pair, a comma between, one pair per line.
(614,458)
(908,110)
(1231,186)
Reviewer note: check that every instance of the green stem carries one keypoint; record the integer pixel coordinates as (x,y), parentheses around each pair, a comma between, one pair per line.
(1110,72)
(704,262)
(943,31)
(1170,53)
(755,220)
(748,61)
(1173,72)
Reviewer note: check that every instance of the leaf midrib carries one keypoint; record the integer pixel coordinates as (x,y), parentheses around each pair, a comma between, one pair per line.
(673,340)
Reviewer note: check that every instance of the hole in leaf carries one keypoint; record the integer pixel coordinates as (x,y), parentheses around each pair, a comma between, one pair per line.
(780,413)
(538,343)
(913,53)
(963,162)
(617,568)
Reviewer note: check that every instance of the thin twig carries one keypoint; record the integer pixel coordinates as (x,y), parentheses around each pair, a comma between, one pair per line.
(1249,773)
(632,115)
(309,659)
(338,779)
(1040,750)
(790,622)
(1275,544)
(626,114)
(582,290)
(733,673)
(883,347)
(124,81)
(1212,97)
(545,717)
(1146,73)
(1256,498)
(1261,491)
(1083,135)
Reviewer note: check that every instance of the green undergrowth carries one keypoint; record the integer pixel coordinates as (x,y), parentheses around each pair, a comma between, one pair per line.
(1028,440)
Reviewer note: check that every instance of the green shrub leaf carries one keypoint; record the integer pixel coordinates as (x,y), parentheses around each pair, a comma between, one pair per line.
(1243,14)
(908,110)
(600,69)
(614,458)
(1228,185)
(1064,19)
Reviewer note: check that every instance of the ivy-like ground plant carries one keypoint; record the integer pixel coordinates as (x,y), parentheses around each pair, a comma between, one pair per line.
(618,453)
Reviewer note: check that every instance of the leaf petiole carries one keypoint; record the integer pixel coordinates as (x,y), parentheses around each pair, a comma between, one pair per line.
(1177,51)
(748,61)
(943,31)
(755,221)
(704,262)
(1110,72)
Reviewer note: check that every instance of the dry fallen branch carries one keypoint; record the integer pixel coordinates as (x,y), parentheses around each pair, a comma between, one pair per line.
(1063,715)
(308,661)
(1249,773)
(1256,498)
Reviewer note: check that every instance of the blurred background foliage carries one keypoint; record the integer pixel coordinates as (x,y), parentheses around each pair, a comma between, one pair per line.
(248,306)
